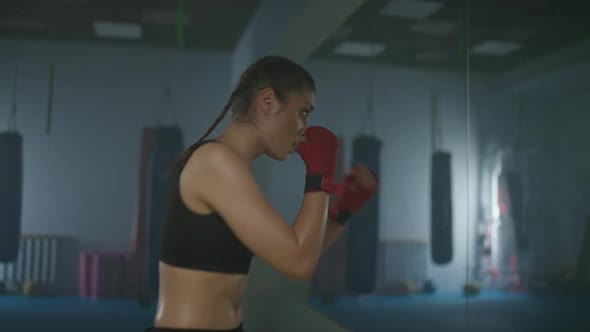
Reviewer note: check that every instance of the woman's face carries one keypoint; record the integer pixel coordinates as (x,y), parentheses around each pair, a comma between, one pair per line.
(286,123)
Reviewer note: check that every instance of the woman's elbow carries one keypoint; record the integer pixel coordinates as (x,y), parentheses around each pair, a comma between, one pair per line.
(301,272)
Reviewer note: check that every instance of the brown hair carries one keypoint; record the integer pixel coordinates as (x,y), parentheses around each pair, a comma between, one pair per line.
(279,73)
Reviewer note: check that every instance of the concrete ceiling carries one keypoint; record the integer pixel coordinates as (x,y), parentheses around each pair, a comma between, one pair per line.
(207,25)
(437,40)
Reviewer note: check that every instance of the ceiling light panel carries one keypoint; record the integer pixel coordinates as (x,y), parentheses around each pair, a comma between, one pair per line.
(361,49)
(117,30)
(495,48)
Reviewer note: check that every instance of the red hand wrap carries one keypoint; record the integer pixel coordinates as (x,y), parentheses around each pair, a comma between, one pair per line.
(319,152)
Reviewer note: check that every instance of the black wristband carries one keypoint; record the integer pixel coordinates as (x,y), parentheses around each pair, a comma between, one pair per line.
(313,182)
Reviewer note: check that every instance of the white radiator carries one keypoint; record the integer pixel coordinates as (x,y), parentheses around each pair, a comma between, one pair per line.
(45,259)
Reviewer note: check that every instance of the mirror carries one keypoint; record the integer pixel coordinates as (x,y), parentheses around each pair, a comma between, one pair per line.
(529,102)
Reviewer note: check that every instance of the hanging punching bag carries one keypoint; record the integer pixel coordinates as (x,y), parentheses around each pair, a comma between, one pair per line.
(363,227)
(441,224)
(329,277)
(513,181)
(441,205)
(583,264)
(167,145)
(11,181)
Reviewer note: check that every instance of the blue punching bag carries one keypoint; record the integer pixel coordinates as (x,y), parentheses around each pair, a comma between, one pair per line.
(441,223)
(363,227)
(11,188)
(168,144)
(441,204)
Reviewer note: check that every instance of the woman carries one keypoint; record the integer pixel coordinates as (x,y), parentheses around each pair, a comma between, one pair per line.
(217,217)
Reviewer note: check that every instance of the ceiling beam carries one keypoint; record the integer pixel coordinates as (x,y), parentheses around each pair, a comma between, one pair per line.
(311,25)
(291,28)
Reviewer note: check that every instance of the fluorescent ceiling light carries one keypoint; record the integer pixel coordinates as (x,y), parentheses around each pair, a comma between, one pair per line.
(117,30)
(495,48)
(363,49)
(414,9)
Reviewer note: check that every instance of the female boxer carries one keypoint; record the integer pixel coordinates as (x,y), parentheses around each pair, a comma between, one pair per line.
(217,218)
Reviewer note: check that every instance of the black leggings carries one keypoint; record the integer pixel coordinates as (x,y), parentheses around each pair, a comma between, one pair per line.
(165,329)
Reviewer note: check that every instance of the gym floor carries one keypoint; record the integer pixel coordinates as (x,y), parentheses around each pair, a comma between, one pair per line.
(493,312)
(441,313)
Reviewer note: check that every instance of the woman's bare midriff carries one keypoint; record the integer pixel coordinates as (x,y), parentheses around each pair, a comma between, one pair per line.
(193,299)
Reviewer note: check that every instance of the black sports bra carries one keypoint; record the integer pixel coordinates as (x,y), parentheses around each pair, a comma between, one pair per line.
(199,241)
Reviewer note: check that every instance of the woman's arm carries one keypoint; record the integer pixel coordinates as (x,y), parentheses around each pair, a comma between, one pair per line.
(218,177)
(333,231)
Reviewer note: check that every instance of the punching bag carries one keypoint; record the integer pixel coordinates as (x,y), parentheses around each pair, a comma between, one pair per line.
(136,275)
(513,182)
(167,145)
(11,183)
(329,277)
(441,192)
(363,227)
(441,223)
(583,264)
